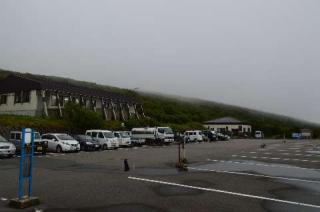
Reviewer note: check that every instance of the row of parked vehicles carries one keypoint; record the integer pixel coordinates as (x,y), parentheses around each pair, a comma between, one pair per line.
(206,135)
(94,140)
(91,140)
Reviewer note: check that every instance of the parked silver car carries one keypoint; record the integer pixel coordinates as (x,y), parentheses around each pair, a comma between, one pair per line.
(7,149)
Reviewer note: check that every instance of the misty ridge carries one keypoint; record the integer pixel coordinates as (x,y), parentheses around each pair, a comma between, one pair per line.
(183,113)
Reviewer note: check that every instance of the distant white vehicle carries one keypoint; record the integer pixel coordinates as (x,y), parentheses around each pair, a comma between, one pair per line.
(193,136)
(105,138)
(123,138)
(59,142)
(160,135)
(7,149)
(259,134)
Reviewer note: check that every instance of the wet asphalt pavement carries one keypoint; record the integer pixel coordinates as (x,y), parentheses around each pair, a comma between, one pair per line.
(237,175)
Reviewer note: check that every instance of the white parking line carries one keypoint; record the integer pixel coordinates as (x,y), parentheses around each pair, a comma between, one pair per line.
(224,192)
(255,175)
(261,164)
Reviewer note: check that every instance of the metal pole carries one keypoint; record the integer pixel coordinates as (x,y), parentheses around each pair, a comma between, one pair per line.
(31,162)
(184,150)
(22,155)
(179,157)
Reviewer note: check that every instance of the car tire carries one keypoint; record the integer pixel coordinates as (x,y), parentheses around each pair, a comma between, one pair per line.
(104,147)
(58,149)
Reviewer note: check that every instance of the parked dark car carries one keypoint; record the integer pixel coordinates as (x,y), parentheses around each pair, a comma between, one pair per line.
(40,146)
(223,137)
(209,135)
(87,143)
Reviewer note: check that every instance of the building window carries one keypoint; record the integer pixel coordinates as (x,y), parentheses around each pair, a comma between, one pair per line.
(3,99)
(240,128)
(25,96)
(61,102)
(21,97)
(54,100)
(17,97)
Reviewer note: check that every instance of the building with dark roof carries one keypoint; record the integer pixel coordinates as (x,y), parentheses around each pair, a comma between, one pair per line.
(26,94)
(306,134)
(228,125)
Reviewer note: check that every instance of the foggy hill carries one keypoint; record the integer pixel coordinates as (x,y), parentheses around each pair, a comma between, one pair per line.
(186,113)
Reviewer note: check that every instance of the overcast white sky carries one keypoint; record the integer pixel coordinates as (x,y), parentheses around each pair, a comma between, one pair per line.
(262,54)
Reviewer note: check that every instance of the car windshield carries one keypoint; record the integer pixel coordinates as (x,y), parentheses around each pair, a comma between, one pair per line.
(2,139)
(64,137)
(84,137)
(165,130)
(87,138)
(37,135)
(125,135)
(108,135)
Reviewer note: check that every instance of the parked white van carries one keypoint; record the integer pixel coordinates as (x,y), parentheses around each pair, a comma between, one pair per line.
(123,138)
(105,138)
(258,134)
(58,142)
(193,136)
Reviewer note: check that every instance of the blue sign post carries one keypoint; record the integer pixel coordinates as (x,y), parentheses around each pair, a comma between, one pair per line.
(24,199)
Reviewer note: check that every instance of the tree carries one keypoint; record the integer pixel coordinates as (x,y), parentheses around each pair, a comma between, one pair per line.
(81,118)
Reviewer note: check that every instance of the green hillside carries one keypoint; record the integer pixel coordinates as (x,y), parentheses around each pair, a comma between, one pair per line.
(182,113)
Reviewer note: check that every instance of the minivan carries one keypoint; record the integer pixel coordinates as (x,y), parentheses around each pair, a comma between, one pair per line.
(39,144)
(193,136)
(105,138)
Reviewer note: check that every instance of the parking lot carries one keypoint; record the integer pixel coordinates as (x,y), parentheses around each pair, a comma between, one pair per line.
(236,175)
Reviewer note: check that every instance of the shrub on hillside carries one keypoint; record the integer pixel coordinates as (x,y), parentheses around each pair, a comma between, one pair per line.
(82,118)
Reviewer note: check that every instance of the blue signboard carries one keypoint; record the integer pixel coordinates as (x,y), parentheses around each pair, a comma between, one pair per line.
(26,162)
